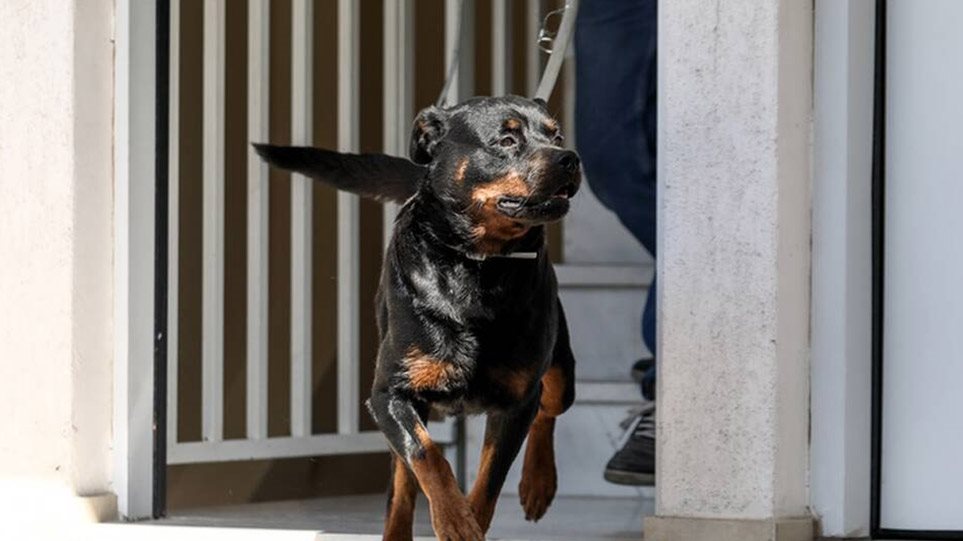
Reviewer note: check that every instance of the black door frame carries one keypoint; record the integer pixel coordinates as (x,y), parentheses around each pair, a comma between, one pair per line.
(161,183)
(878,265)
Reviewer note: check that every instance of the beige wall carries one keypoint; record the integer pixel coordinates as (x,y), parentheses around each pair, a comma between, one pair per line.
(55,249)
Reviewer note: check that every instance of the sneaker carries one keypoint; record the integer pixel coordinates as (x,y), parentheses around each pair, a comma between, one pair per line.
(634,463)
(640,367)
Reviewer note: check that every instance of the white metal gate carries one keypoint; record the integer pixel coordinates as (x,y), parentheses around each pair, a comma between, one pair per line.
(398,36)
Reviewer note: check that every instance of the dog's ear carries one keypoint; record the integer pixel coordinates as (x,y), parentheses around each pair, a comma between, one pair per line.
(429,128)
(378,176)
(542,104)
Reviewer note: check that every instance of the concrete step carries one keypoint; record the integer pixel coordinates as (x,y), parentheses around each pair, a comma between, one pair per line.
(586,436)
(603,304)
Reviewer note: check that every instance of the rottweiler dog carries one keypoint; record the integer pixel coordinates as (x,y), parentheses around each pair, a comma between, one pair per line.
(467,309)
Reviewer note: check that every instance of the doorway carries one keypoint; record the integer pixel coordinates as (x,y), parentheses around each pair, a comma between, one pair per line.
(918,294)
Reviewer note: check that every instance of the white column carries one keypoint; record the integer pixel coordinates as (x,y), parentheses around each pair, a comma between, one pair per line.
(734,231)
(133,243)
(842,256)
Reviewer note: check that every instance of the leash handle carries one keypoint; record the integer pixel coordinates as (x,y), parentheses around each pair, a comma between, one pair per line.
(566,30)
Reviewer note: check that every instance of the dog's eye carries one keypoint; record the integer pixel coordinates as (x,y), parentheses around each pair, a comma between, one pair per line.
(558,140)
(507,141)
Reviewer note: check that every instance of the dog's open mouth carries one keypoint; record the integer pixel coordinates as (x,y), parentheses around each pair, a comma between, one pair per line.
(512,205)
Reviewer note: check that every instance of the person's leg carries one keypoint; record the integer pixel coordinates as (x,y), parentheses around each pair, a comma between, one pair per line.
(648,336)
(615,45)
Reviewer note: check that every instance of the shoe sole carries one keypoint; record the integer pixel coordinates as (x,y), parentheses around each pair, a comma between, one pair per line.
(633,478)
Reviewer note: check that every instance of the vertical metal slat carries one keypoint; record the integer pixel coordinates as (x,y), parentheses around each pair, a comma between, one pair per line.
(348,222)
(398,89)
(501,48)
(301,194)
(212,357)
(173,209)
(460,21)
(257,219)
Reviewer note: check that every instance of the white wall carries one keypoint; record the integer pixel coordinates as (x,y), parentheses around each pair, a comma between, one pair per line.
(55,245)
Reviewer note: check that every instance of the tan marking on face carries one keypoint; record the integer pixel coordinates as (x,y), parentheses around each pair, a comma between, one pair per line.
(513,124)
(492,229)
(551,126)
(425,372)
(460,172)
(512,184)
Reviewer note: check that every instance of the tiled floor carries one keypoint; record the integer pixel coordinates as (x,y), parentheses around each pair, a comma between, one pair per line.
(569,519)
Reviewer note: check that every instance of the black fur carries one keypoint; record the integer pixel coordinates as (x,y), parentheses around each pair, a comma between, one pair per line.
(396,179)
(484,328)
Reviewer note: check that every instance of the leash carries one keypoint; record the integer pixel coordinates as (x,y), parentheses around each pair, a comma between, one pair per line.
(555,44)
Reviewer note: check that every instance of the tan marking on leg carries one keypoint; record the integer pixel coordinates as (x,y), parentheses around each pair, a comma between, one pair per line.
(481,504)
(514,382)
(401,510)
(425,372)
(539,482)
(553,391)
(451,514)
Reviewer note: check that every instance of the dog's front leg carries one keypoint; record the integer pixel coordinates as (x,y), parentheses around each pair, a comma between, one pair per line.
(451,516)
(504,434)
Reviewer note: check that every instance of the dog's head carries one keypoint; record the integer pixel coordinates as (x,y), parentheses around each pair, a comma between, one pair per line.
(498,159)
(497,162)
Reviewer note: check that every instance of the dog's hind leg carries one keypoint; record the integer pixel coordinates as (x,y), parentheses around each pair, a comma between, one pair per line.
(504,434)
(539,481)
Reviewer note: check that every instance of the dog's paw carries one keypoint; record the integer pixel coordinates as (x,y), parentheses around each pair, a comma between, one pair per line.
(453,520)
(537,487)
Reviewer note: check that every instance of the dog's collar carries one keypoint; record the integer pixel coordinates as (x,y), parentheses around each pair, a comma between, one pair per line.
(513,255)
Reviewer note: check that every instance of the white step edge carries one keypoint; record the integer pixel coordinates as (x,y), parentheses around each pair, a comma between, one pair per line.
(606,392)
(161,532)
(594,276)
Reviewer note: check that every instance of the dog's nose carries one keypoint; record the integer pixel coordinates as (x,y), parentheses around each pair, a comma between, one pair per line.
(569,161)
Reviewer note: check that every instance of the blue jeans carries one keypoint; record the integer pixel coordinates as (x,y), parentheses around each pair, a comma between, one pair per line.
(615,120)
